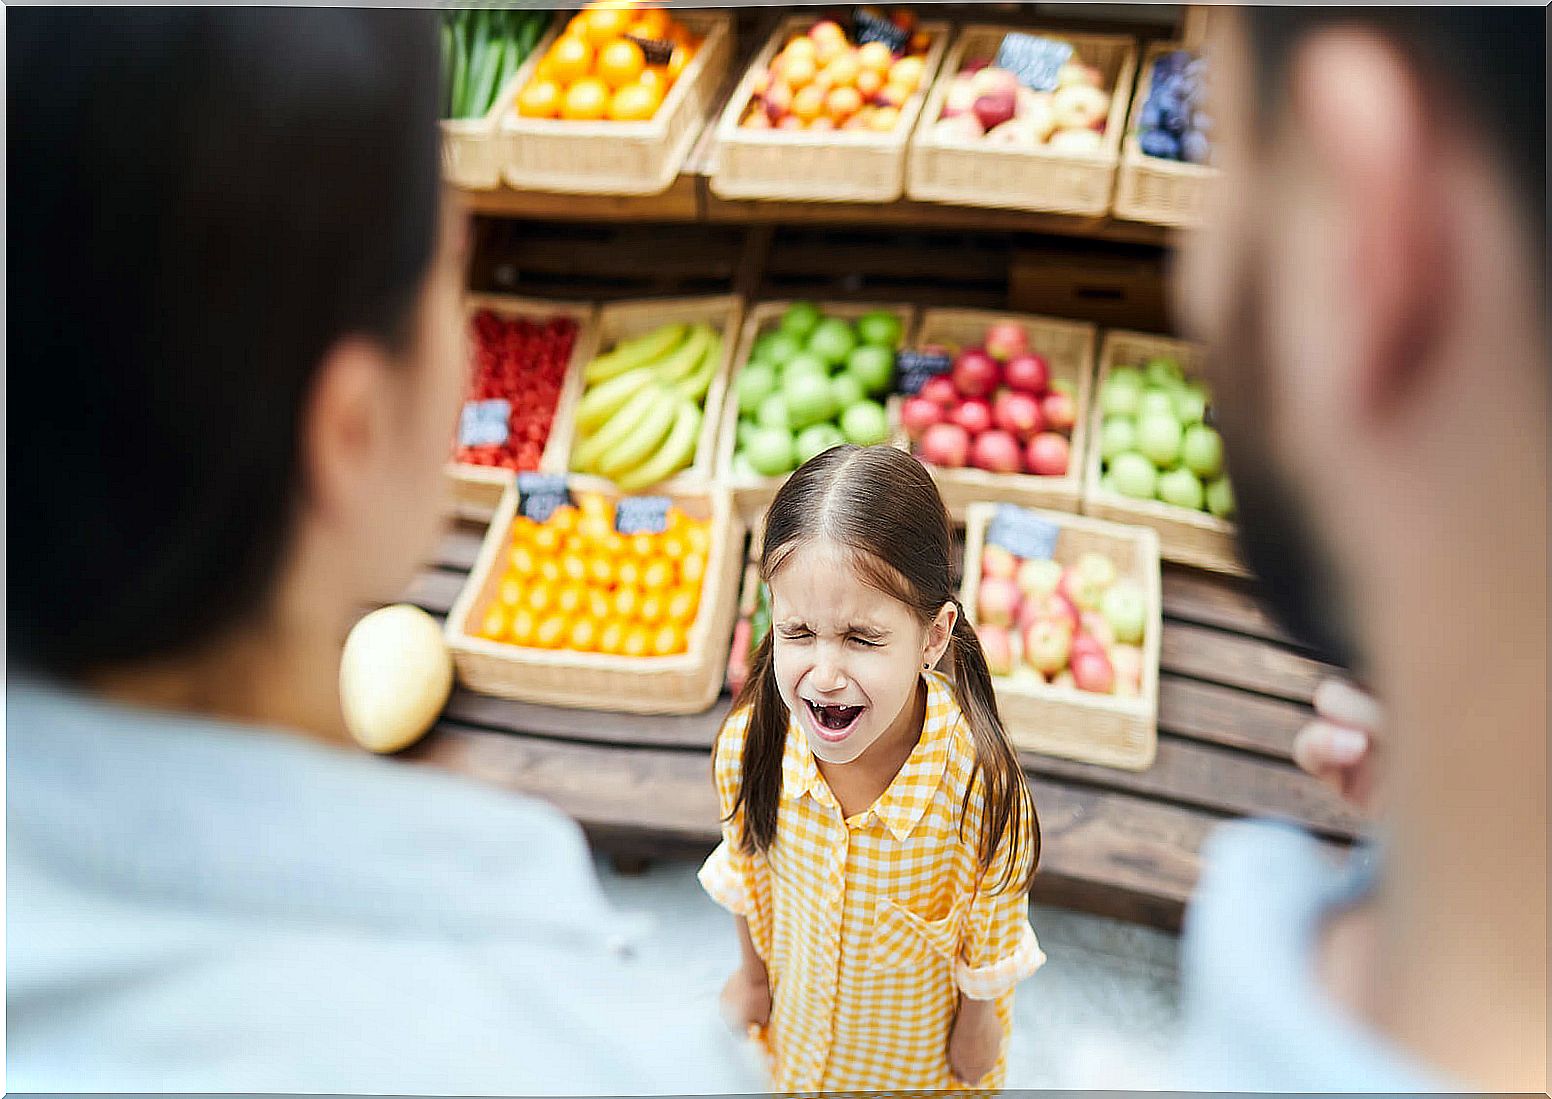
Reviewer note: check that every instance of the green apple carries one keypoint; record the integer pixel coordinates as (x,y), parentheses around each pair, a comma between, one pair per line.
(816,440)
(1202,451)
(1124,375)
(1158,438)
(781,349)
(800,319)
(773,413)
(832,340)
(1190,403)
(865,423)
(756,382)
(1126,609)
(881,328)
(1117,435)
(874,367)
(1154,400)
(808,399)
(1181,488)
(1220,498)
(742,468)
(1120,398)
(770,451)
(1107,483)
(805,363)
(1162,371)
(846,388)
(746,428)
(1134,476)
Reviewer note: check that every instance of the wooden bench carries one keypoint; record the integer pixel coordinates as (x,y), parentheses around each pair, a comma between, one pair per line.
(1233,691)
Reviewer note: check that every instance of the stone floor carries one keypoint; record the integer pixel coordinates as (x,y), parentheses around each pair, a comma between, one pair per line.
(1101,1013)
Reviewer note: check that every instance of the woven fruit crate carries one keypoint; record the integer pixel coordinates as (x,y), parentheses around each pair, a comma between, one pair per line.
(472,149)
(1112,730)
(618,321)
(477,489)
(830,166)
(621,158)
(1189,537)
(752,495)
(974,173)
(1150,188)
(1069,348)
(685,683)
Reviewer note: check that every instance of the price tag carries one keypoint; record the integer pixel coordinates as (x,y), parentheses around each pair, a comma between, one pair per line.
(913,367)
(642,514)
(870,26)
(1034,60)
(484,423)
(539,494)
(1022,533)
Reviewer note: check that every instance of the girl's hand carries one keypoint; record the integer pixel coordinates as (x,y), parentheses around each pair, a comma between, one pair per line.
(746,1000)
(975,1042)
(1338,747)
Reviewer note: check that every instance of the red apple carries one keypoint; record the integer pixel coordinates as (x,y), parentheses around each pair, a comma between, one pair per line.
(999,564)
(1092,671)
(997,647)
(995,452)
(1017,413)
(1028,373)
(975,373)
(1006,341)
(1047,643)
(1057,607)
(917,414)
(1048,455)
(997,602)
(939,389)
(946,445)
(1086,645)
(1061,411)
(1098,627)
(974,415)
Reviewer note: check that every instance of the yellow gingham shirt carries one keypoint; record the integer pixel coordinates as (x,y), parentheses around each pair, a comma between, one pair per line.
(871,926)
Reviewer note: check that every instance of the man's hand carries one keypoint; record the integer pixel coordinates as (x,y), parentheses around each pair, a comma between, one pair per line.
(975,1042)
(1339,746)
(746,1000)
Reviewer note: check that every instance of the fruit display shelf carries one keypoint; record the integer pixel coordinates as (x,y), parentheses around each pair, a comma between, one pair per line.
(1108,729)
(1191,537)
(753,494)
(809,166)
(683,683)
(620,158)
(976,172)
(477,489)
(472,150)
(617,321)
(1155,189)
(1068,347)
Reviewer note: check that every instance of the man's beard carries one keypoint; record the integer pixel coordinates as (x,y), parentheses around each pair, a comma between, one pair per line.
(1277,538)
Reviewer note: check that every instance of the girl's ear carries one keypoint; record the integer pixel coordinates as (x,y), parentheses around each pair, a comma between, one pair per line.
(939,633)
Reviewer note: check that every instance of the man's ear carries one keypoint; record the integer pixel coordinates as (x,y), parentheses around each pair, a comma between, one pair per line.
(1362,113)
(344,425)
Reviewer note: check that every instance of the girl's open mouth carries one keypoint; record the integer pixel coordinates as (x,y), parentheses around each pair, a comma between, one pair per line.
(833,722)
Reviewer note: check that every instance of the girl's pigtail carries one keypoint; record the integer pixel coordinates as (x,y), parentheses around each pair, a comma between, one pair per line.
(1008,813)
(759,787)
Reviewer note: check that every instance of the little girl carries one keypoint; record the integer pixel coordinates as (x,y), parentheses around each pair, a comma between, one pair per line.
(879,838)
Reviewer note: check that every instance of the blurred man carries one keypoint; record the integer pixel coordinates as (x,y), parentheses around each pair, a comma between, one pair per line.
(1372,284)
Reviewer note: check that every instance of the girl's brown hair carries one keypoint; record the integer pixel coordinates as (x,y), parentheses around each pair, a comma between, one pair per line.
(881,505)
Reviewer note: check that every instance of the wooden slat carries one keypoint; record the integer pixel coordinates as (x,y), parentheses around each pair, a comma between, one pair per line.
(1229,716)
(697,731)
(1205,653)
(680,202)
(1210,599)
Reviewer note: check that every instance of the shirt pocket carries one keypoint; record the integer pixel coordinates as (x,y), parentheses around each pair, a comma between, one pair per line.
(905,939)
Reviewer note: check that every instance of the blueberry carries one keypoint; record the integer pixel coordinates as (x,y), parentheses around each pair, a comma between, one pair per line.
(1173,114)
(1149,120)
(1195,147)
(1158,143)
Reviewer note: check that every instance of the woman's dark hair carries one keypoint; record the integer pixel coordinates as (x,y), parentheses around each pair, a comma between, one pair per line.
(202,202)
(880,505)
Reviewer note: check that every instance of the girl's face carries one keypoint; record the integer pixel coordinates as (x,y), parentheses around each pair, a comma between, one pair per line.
(847,657)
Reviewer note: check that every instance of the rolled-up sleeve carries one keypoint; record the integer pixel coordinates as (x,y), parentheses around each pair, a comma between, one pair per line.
(999,946)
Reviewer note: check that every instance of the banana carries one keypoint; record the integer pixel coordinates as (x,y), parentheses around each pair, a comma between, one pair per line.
(634,352)
(586,454)
(643,439)
(606,398)
(677,451)
(686,356)
(694,387)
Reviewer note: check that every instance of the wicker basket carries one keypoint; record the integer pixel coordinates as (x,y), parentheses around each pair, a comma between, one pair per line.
(752,495)
(1063,721)
(471,147)
(1190,537)
(974,173)
(831,166)
(1069,347)
(686,683)
(621,320)
(621,158)
(477,489)
(1150,188)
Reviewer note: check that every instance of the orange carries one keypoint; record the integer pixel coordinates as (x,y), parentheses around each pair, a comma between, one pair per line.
(549,570)
(828,50)
(628,572)
(523,627)
(494,624)
(798,71)
(611,639)
(650,23)
(595,505)
(600,570)
(682,605)
(692,569)
(569,599)
(546,539)
(620,62)
(600,604)
(637,641)
(654,608)
(800,47)
(573,566)
(643,545)
(603,24)
(667,640)
(658,574)
(679,60)
(844,70)
(614,543)
(827,30)
(571,58)
(699,537)
(869,83)
(541,598)
(842,103)
(656,79)
(511,592)
(907,72)
(522,562)
(674,546)
(583,636)
(627,601)
(808,103)
(523,528)
(550,632)
(677,521)
(593,528)
(876,57)
(563,519)
(634,103)
(545,69)
(573,543)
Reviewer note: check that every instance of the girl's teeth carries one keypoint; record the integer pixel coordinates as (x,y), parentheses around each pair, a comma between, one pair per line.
(835,718)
